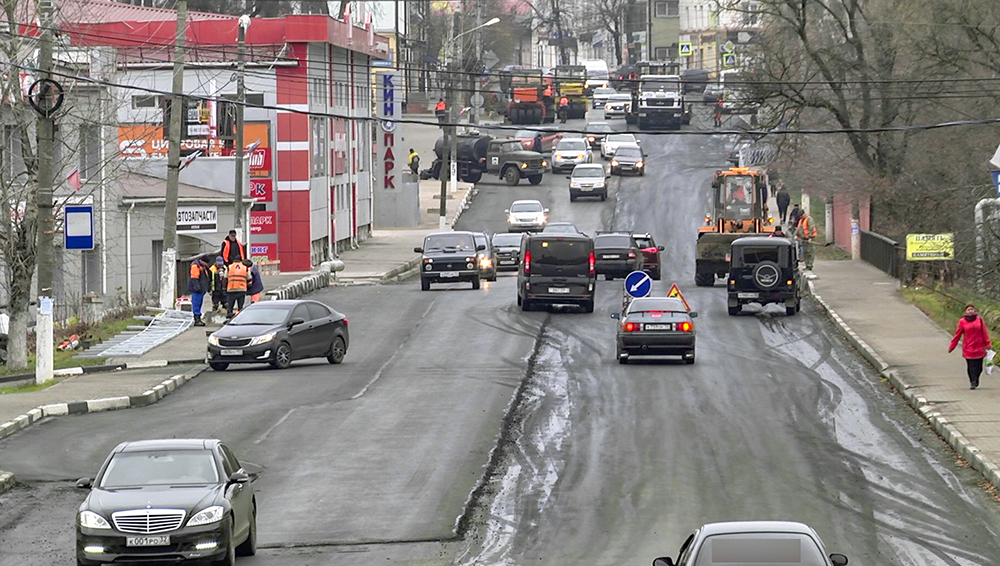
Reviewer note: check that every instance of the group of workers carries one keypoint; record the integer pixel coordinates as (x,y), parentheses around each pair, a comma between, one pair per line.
(228,281)
(803,227)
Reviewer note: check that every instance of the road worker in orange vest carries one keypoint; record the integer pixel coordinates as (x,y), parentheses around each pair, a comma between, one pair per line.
(563,109)
(236,288)
(806,233)
(441,110)
(232,249)
(199,281)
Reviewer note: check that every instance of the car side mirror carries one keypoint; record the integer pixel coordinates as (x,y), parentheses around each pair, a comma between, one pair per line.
(568,177)
(295,322)
(693,314)
(663,561)
(239,477)
(616,315)
(418,250)
(480,247)
(659,248)
(546,211)
(838,559)
(85,483)
(507,211)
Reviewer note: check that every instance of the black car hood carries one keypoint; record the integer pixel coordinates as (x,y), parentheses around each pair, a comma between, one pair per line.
(231,332)
(193,498)
(627,159)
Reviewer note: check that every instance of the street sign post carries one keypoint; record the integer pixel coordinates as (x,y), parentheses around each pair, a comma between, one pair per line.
(638,284)
(78,227)
(728,47)
(930,247)
(684,49)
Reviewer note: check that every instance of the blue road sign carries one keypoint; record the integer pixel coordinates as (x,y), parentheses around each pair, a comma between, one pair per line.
(78,227)
(996,181)
(729,60)
(638,284)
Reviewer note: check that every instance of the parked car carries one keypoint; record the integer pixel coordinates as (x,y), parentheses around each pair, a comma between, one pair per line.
(449,257)
(734,154)
(628,159)
(617,254)
(613,141)
(526,216)
(508,250)
(601,95)
(486,259)
(588,180)
(167,501)
(754,542)
(655,326)
(617,106)
(278,333)
(556,269)
(650,254)
(550,138)
(569,153)
(712,94)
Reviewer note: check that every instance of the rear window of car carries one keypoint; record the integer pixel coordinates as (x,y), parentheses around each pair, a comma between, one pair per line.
(620,97)
(507,240)
(613,241)
(621,138)
(559,252)
(772,549)
(599,128)
(751,255)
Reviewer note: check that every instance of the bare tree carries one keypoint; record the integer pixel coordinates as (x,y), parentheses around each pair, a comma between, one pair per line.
(608,15)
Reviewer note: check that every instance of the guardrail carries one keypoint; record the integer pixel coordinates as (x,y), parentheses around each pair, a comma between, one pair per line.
(881,252)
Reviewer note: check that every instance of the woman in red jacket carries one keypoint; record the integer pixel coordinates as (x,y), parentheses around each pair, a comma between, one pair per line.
(975,340)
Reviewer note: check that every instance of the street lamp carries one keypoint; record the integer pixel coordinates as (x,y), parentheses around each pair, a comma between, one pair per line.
(450,130)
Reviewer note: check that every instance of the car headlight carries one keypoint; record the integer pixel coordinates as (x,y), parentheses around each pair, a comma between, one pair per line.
(540,218)
(207,516)
(574,185)
(639,164)
(213,340)
(614,163)
(524,166)
(257,340)
(91,520)
(511,219)
(545,163)
(607,107)
(557,156)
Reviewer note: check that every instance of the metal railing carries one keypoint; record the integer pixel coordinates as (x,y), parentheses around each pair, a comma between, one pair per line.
(881,252)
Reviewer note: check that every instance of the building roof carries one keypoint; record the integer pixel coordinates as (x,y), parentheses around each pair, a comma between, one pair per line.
(144,188)
(108,11)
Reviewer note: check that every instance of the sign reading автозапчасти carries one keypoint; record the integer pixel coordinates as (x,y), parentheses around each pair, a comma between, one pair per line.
(197,219)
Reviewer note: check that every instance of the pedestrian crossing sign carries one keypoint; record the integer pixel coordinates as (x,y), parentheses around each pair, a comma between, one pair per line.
(728,59)
(675,293)
(684,48)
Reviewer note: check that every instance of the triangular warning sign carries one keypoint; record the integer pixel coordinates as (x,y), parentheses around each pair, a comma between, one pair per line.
(675,293)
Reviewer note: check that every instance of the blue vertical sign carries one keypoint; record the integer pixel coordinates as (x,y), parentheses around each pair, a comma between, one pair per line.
(78,227)
(996,181)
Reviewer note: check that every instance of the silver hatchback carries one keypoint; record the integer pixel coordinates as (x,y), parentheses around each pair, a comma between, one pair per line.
(570,152)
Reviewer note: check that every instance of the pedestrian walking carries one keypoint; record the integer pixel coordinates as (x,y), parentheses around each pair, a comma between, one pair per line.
(975,341)
(718,112)
(413,161)
(806,233)
(441,111)
(236,288)
(199,281)
(219,284)
(794,216)
(783,199)
(256,285)
(232,249)
(536,143)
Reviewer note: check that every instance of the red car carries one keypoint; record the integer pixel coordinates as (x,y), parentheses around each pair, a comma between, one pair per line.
(650,254)
(550,138)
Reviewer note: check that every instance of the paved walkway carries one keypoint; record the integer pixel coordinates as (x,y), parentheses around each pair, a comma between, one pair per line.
(915,349)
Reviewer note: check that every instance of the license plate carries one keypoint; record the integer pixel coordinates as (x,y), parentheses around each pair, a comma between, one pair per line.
(558,290)
(449,274)
(160,540)
(748,295)
(507,262)
(232,352)
(611,257)
(657,327)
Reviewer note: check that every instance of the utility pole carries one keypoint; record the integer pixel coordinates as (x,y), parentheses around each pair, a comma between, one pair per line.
(241,99)
(46,133)
(168,283)
(448,138)
(474,117)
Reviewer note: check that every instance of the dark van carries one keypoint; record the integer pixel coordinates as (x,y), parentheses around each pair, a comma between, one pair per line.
(694,80)
(556,269)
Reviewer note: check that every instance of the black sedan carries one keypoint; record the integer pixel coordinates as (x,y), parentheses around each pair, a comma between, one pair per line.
(617,254)
(167,501)
(628,159)
(278,332)
(655,326)
(508,250)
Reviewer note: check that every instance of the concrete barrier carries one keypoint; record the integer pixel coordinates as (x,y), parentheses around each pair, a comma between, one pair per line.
(300,287)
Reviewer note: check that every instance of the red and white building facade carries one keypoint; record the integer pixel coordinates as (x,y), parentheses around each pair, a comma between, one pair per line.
(309,93)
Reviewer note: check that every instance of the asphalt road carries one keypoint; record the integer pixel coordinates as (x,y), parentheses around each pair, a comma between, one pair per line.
(583,460)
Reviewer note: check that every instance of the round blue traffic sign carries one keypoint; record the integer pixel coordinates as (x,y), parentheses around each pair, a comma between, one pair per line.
(638,284)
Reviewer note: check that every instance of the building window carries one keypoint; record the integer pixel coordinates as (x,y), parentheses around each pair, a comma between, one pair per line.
(667,9)
(320,153)
(146,101)
(750,14)
(90,151)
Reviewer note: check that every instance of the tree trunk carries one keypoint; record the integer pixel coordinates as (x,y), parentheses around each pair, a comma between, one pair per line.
(618,44)
(17,339)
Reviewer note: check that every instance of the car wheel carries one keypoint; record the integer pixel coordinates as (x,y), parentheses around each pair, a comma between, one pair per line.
(656,275)
(790,311)
(572,197)
(425,284)
(476,282)
(588,307)
(282,356)
(733,311)
(511,176)
(519,300)
(604,196)
(609,277)
(249,546)
(230,558)
(704,279)
(219,366)
(798,305)
(337,351)
(534,179)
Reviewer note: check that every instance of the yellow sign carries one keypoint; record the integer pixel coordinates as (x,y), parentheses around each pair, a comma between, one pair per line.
(930,247)
(675,293)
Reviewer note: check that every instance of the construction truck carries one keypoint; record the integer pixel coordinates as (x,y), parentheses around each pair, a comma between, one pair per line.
(477,155)
(571,82)
(738,208)
(634,82)
(659,102)
(529,103)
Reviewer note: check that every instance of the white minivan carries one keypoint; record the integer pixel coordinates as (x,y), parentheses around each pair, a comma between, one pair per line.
(597,74)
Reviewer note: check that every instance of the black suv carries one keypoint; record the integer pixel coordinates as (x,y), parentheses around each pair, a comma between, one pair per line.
(556,269)
(449,257)
(765,270)
(617,253)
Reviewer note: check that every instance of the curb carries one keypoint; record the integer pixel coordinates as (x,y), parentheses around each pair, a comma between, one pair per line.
(947,431)
(92,406)
(395,271)
(300,287)
(80,370)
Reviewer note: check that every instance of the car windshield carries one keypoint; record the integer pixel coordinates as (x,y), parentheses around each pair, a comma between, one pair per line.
(480,239)
(656,305)
(628,152)
(588,172)
(613,241)
(449,243)
(572,145)
(261,314)
(525,207)
(599,128)
(604,91)
(661,85)
(738,197)
(644,242)
(511,146)
(790,549)
(161,467)
(507,240)
(629,138)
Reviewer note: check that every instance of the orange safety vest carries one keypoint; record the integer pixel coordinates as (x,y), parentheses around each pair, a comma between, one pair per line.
(225,249)
(807,227)
(237,278)
(564,101)
(548,91)
(195,270)
(439,106)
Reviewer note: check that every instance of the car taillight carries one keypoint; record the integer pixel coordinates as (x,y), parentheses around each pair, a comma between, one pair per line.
(345,321)
(649,250)
(527,261)
(630,327)
(631,254)
(593,264)
(684,327)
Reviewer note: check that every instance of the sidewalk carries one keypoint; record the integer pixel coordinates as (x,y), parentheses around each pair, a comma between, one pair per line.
(912,352)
